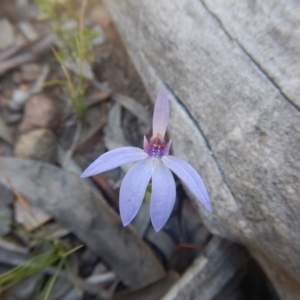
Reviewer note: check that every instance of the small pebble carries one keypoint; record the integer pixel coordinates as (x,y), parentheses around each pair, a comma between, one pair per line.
(39,144)
(40,112)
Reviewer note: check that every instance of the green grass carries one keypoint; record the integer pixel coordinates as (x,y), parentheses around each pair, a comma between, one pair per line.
(74,47)
(57,254)
(35,265)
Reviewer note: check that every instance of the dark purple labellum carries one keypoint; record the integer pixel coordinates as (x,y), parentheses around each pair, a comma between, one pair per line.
(156,147)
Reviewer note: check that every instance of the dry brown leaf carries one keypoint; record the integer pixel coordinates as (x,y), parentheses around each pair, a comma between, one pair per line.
(30,218)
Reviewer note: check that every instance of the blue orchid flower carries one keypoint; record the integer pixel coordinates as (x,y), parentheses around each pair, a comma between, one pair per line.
(155,163)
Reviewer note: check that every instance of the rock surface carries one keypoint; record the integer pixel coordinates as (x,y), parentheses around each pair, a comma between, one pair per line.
(232,71)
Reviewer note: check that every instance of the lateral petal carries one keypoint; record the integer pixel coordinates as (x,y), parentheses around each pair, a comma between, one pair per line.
(133,189)
(114,159)
(190,178)
(163,195)
(161,113)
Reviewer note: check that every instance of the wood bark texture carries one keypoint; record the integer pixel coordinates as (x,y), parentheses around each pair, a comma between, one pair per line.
(232,69)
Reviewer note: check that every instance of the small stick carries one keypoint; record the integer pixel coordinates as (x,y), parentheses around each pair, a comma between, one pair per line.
(28,55)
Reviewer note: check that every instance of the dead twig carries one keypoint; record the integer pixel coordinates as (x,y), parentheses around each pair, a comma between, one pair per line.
(91,101)
(7,53)
(97,98)
(28,54)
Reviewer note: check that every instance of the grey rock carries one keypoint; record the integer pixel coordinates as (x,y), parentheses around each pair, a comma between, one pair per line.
(232,70)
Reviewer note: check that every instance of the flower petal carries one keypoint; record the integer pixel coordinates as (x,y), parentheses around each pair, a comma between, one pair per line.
(161,113)
(114,159)
(190,178)
(163,195)
(167,147)
(133,189)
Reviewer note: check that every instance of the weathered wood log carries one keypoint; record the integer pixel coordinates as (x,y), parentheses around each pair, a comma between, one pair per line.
(233,72)
(81,209)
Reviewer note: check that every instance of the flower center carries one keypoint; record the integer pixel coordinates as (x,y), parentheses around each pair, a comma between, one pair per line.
(156,147)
